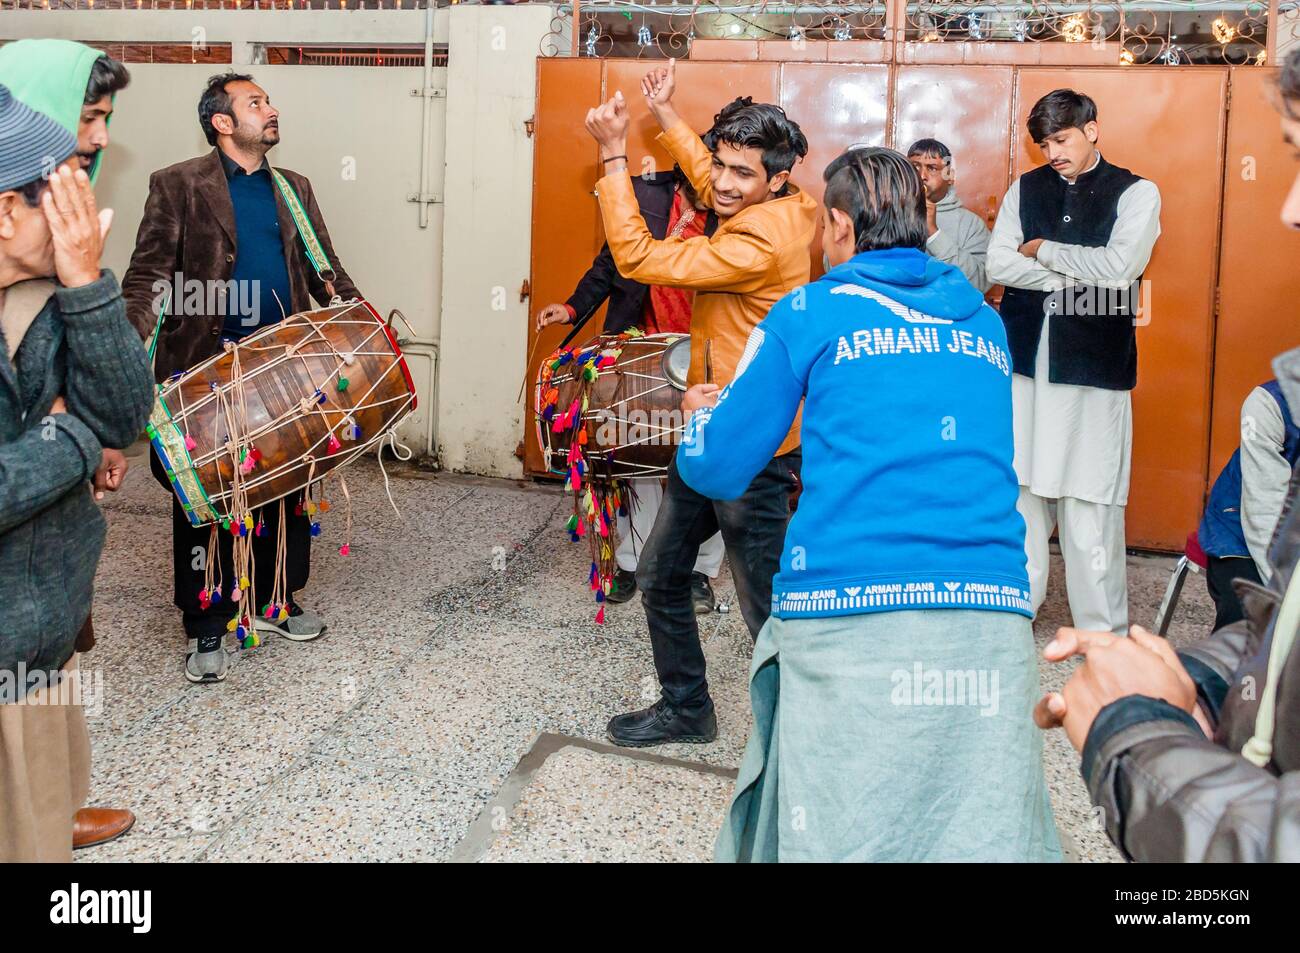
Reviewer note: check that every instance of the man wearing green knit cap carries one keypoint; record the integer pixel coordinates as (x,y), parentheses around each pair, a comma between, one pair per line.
(71,83)
(74,85)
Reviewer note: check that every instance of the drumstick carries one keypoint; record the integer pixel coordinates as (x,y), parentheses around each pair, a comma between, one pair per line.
(532,352)
(708,361)
(577,326)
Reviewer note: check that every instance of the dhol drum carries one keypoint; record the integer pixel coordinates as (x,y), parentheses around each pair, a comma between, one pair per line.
(279,410)
(619,398)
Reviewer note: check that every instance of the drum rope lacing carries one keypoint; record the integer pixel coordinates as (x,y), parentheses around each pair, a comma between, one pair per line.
(239,443)
(295,412)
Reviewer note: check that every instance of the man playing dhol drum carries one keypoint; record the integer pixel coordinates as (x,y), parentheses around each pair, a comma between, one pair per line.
(670,208)
(759,253)
(226,220)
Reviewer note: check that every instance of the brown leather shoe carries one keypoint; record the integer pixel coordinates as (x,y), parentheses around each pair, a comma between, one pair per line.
(99,825)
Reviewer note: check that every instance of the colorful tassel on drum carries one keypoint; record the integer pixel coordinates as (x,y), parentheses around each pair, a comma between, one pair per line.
(600,616)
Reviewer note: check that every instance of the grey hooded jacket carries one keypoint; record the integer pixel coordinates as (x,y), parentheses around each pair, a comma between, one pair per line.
(962,240)
(1171,794)
(80,346)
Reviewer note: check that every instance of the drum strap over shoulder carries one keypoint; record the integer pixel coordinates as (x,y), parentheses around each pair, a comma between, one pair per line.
(310,242)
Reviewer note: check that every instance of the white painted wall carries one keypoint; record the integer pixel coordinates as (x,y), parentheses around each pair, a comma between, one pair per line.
(479,159)
(491,92)
(355,133)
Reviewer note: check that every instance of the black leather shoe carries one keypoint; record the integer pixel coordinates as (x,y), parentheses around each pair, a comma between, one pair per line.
(624,587)
(702,594)
(662,724)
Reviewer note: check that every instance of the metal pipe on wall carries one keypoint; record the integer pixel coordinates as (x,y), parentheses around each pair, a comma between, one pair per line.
(426,105)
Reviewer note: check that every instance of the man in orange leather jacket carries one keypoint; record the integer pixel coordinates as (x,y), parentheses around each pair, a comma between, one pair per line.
(758,254)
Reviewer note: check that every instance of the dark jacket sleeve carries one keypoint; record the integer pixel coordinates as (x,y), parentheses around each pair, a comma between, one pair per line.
(594,287)
(1212,662)
(39,468)
(1168,793)
(343,285)
(108,385)
(156,258)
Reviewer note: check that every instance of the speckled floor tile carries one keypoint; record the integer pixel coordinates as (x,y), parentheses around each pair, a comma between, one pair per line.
(584,806)
(482,694)
(137,847)
(339,811)
(459,631)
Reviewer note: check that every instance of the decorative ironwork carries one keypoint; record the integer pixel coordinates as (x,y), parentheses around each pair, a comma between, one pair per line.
(663,30)
(1147,31)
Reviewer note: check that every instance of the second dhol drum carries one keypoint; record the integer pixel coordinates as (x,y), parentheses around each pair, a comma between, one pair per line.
(618,397)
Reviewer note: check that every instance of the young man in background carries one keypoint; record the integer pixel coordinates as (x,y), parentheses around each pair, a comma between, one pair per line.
(957,236)
(1070,244)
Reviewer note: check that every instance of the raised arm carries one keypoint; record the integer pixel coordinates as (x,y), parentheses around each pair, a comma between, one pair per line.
(689,151)
(737,261)
(686,148)
(107,384)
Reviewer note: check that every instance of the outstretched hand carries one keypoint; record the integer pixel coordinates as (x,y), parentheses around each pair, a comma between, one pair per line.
(1113,668)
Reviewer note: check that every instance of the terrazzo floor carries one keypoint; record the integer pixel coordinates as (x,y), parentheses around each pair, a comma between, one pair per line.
(460,632)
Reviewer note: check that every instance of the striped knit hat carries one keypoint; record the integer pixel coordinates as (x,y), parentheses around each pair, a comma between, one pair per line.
(31,144)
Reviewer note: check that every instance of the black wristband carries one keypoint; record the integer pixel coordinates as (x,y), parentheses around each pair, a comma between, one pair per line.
(612,158)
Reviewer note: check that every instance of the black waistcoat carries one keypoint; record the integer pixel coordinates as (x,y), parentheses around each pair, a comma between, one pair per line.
(1091,340)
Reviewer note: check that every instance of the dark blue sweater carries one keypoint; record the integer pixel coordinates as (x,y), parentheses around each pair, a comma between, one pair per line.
(260,273)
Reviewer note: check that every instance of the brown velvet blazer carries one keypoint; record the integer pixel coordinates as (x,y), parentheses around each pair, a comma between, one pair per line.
(189,228)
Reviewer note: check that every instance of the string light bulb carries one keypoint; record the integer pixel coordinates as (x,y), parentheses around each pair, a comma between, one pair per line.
(1223,31)
(1074,30)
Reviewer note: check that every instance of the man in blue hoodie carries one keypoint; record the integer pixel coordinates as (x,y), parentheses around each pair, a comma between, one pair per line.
(904,565)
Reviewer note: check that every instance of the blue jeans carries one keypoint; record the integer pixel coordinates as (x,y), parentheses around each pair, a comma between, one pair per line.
(753,529)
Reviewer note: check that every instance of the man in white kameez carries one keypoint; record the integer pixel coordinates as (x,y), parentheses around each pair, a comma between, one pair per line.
(1070,244)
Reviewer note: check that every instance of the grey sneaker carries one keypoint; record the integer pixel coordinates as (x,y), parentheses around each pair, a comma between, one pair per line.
(301,626)
(206,662)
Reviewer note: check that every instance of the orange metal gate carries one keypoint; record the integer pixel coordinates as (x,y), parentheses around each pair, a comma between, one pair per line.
(1173,126)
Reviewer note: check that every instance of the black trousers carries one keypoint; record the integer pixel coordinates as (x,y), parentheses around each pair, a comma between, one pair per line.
(1219,573)
(753,529)
(189,556)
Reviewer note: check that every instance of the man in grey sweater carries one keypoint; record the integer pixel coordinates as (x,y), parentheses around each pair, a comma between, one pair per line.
(74,380)
(957,235)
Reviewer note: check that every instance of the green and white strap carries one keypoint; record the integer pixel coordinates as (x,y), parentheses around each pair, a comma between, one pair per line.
(310,241)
